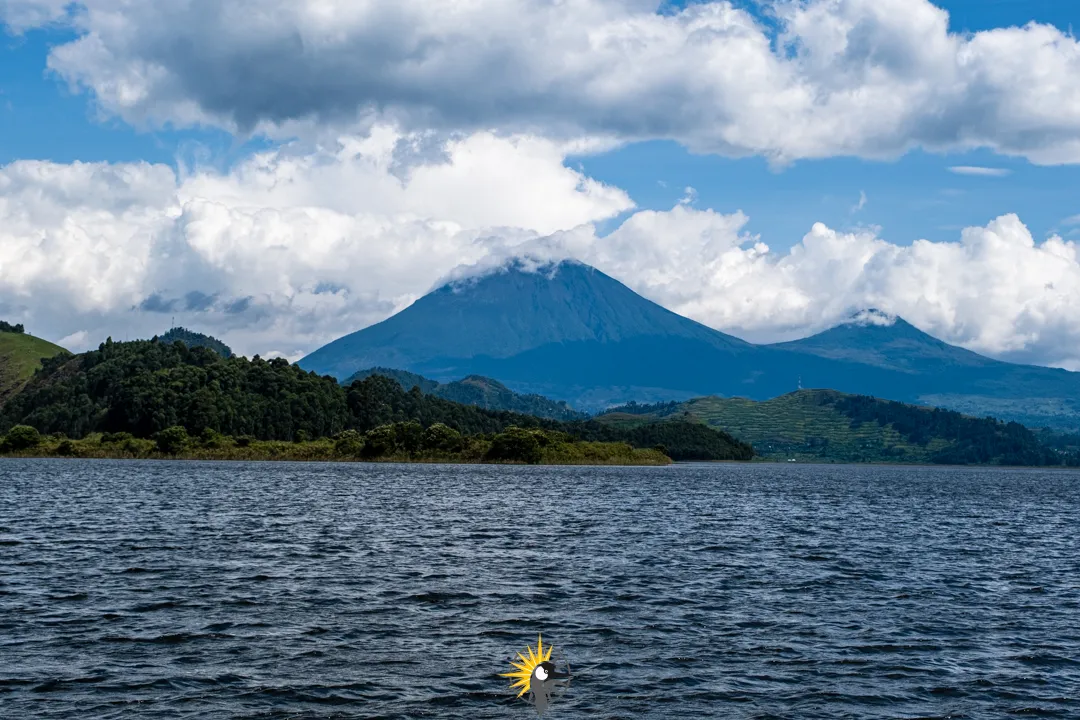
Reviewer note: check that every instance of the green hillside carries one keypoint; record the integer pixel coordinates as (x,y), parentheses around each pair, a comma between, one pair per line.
(148,389)
(827,426)
(479,391)
(20,356)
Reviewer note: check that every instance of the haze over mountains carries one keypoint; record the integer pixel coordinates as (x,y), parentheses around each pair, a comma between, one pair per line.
(570,332)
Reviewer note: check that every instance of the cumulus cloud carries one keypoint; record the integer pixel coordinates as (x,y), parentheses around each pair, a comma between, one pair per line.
(290,250)
(285,251)
(872,78)
(995,290)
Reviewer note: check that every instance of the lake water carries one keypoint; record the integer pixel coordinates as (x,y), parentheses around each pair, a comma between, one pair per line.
(227,590)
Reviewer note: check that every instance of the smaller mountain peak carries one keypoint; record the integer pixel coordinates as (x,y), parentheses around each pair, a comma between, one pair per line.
(871,317)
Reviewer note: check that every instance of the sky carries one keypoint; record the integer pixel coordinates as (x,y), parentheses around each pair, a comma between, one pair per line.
(279,173)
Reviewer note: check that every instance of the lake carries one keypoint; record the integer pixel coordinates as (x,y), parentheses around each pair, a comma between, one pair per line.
(273,590)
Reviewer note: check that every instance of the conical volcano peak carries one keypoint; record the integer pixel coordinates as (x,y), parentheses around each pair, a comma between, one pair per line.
(466,276)
(506,309)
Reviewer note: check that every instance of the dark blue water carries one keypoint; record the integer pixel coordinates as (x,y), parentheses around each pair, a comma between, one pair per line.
(176,590)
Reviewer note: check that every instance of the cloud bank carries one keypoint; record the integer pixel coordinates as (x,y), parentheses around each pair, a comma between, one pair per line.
(870,78)
(288,251)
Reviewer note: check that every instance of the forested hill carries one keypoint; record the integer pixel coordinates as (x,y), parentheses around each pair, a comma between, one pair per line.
(480,391)
(824,425)
(146,386)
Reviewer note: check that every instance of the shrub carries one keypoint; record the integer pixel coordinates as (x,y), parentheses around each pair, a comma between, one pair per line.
(244,441)
(442,438)
(210,438)
(380,442)
(515,445)
(117,437)
(22,437)
(66,448)
(348,444)
(172,440)
(409,436)
(132,447)
(301,436)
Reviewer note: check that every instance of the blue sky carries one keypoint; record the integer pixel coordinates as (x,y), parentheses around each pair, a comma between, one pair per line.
(912,197)
(396,144)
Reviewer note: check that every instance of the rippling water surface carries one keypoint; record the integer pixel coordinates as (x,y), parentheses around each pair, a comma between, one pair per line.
(140,589)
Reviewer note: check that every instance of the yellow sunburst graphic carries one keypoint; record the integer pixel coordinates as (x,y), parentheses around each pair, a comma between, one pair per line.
(523,674)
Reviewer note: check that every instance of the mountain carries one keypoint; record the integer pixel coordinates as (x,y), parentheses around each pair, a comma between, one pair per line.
(872,337)
(20,356)
(505,314)
(925,370)
(827,426)
(569,332)
(479,391)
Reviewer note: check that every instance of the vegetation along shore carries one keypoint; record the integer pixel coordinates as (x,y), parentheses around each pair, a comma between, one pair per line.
(150,398)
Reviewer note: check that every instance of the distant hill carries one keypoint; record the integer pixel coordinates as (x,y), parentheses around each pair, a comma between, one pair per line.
(20,356)
(479,391)
(569,332)
(824,426)
(195,339)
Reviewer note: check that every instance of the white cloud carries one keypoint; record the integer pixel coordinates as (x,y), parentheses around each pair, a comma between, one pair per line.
(995,290)
(290,250)
(284,252)
(979,171)
(20,15)
(861,204)
(872,78)
(77,341)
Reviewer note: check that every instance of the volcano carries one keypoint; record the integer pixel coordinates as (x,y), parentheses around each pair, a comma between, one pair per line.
(570,332)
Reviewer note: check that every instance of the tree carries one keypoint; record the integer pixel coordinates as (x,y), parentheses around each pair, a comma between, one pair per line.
(380,442)
(172,440)
(22,437)
(515,445)
(441,438)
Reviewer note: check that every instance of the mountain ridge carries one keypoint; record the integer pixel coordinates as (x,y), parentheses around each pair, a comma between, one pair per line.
(569,332)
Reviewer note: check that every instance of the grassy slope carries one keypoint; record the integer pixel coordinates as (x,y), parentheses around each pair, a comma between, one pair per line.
(799,426)
(20,356)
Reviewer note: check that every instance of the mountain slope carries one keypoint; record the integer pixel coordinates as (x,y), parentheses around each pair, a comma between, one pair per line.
(20,356)
(479,391)
(872,337)
(504,314)
(932,372)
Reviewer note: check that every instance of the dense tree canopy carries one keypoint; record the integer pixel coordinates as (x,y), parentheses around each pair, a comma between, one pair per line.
(972,440)
(194,339)
(145,386)
(148,386)
(8,327)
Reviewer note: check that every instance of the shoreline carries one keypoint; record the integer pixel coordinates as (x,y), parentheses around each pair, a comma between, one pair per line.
(343,460)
